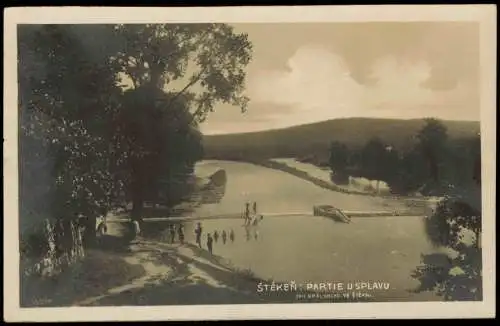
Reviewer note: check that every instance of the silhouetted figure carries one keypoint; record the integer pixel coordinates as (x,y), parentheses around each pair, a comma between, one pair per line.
(135,229)
(209,243)
(224,236)
(216,236)
(180,231)
(231,235)
(172,234)
(102,228)
(198,231)
(255,207)
(247,212)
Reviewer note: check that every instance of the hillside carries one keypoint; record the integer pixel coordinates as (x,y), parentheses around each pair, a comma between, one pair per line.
(314,139)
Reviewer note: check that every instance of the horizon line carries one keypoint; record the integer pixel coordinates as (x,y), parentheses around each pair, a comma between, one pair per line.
(321,121)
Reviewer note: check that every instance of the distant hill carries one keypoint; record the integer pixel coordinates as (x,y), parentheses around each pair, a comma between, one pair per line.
(314,139)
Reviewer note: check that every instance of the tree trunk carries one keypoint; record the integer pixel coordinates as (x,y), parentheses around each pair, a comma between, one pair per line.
(137,196)
(137,189)
(156,75)
(64,243)
(137,205)
(89,233)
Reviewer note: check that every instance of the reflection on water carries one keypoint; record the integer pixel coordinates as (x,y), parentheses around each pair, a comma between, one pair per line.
(316,249)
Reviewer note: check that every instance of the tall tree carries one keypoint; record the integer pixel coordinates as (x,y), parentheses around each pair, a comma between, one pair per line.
(196,65)
(67,99)
(161,144)
(339,158)
(410,173)
(460,160)
(209,59)
(432,141)
(373,157)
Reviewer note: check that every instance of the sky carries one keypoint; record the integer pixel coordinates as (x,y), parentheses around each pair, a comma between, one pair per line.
(309,72)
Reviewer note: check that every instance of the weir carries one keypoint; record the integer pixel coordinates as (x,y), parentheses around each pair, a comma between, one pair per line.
(346,214)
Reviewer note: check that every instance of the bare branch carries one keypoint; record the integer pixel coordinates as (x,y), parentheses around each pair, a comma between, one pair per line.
(193,81)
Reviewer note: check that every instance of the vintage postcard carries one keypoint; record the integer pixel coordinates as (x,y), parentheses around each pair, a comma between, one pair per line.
(314,162)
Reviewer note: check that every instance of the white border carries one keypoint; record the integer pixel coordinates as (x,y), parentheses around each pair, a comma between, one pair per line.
(485,14)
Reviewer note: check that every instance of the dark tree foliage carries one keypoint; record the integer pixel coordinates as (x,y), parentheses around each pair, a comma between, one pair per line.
(339,159)
(462,161)
(162,144)
(84,141)
(457,276)
(377,161)
(410,173)
(67,100)
(178,74)
(372,155)
(209,58)
(432,141)
(453,163)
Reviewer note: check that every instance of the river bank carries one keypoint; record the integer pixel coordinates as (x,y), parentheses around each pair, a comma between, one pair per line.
(145,272)
(419,204)
(148,272)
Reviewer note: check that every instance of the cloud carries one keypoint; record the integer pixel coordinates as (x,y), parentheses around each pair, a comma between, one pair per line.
(319,85)
(451,48)
(316,81)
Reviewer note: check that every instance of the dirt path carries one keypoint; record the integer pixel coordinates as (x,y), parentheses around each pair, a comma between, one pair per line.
(178,274)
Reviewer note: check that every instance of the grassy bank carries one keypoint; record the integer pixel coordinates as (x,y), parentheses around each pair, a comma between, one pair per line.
(96,273)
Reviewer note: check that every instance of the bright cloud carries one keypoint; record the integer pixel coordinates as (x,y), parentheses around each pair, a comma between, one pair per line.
(319,86)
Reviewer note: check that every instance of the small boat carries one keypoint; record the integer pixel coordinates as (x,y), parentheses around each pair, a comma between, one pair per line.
(331,212)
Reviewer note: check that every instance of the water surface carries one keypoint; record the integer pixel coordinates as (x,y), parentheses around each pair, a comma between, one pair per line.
(310,248)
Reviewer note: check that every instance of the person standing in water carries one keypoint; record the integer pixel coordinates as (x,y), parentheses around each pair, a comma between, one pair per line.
(216,236)
(255,207)
(172,233)
(181,233)
(209,243)
(247,212)
(198,232)
(224,236)
(231,235)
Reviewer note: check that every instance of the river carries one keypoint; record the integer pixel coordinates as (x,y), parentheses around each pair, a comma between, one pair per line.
(306,248)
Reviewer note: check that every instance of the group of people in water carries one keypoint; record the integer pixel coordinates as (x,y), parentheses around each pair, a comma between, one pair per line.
(250,220)
(177,231)
(247,216)
(213,238)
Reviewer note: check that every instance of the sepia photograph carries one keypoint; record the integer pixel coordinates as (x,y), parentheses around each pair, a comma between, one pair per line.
(243,165)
